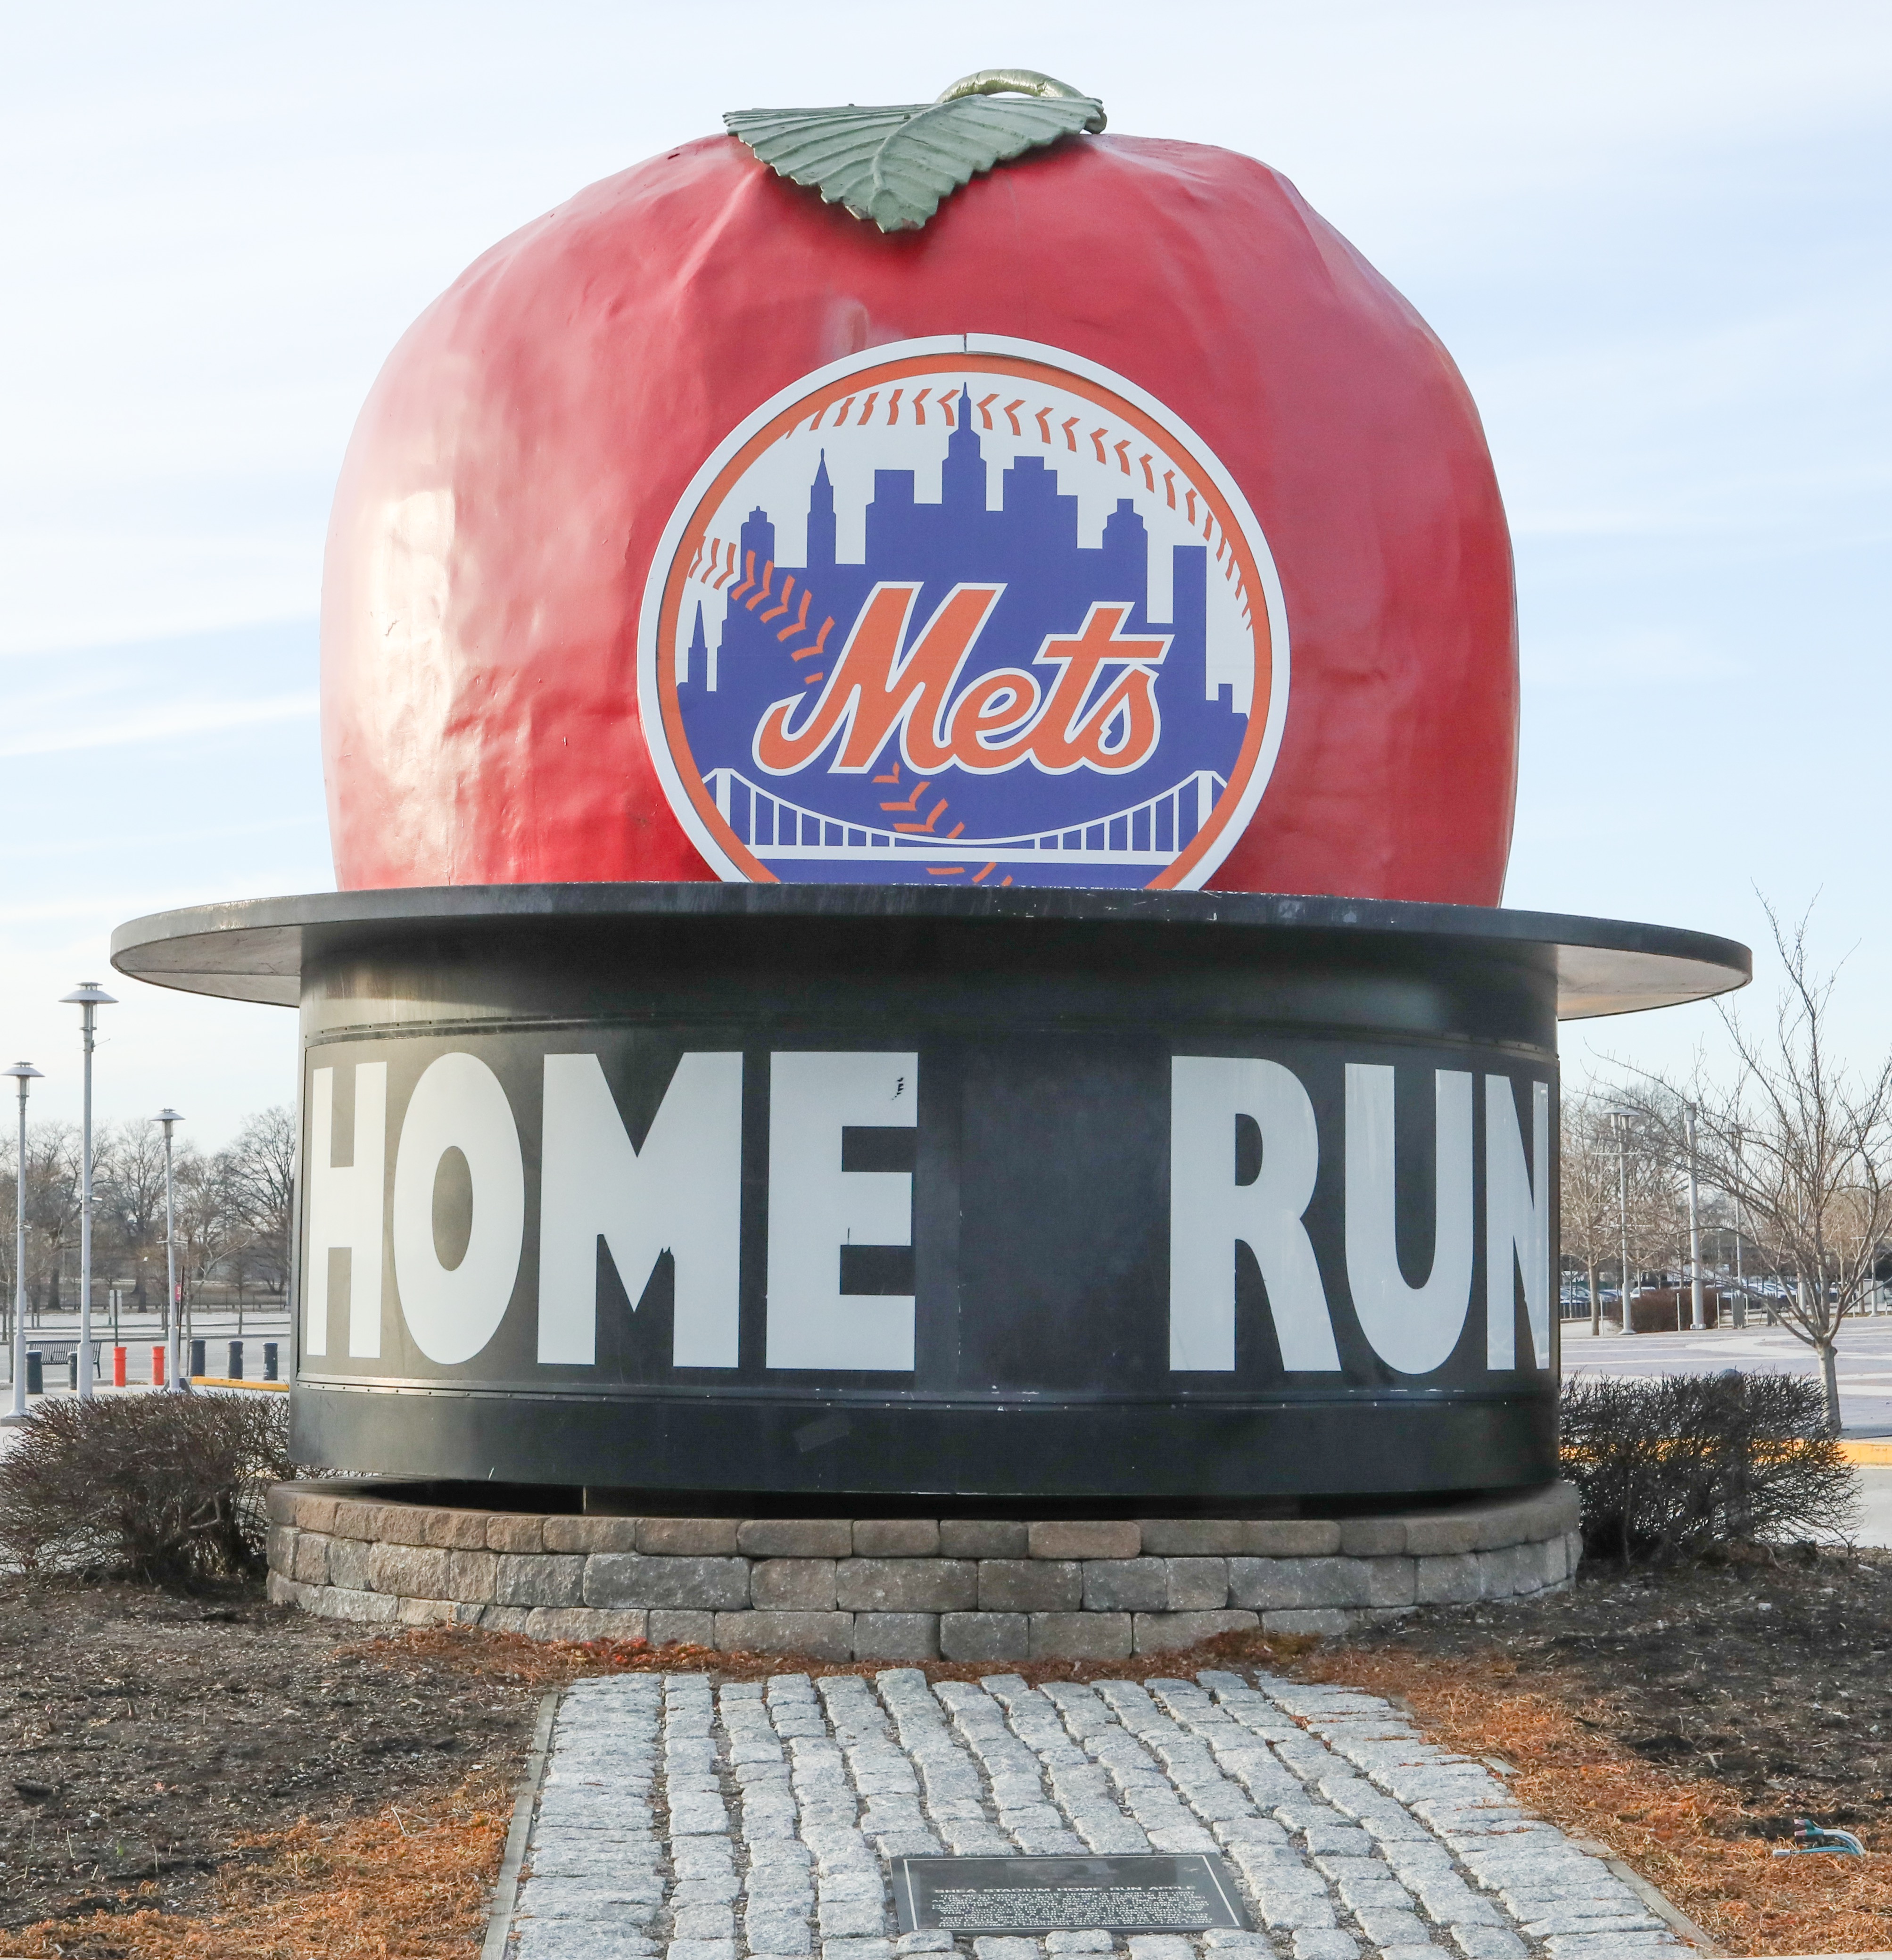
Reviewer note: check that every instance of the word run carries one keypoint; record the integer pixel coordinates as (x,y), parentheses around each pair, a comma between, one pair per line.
(681,1193)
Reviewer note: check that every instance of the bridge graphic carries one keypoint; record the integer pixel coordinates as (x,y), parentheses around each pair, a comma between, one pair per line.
(1154,832)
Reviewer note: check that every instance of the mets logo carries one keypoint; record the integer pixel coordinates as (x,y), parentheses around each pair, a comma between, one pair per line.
(967,610)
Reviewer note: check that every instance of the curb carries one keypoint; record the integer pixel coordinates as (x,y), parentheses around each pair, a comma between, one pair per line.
(1664,1908)
(499,1922)
(1866,1455)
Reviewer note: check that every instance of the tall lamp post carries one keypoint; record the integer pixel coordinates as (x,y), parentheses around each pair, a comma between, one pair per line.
(88,997)
(1697,1316)
(26,1073)
(1620,1118)
(168,1117)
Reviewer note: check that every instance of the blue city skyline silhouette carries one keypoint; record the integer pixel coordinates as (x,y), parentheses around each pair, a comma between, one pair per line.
(1029,545)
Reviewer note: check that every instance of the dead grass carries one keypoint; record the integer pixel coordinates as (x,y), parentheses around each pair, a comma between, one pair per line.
(1688,1836)
(513,1657)
(411,1884)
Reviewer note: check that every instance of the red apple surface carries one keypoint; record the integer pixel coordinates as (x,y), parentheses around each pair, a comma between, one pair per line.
(553,478)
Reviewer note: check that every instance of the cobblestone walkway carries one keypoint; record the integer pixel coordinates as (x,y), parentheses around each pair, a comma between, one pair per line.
(704,1821)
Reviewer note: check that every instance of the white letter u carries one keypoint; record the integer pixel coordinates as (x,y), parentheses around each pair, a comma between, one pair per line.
(1412,1328)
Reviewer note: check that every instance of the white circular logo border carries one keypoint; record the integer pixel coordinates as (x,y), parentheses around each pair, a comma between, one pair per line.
(650,705)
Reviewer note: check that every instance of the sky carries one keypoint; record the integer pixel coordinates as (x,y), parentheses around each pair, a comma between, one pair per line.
(1658,240)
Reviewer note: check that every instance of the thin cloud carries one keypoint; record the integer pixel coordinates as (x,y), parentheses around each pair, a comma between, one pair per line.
(161,725)
(70,847)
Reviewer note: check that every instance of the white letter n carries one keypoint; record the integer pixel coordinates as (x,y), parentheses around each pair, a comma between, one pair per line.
(1517,1223)
(681,1193)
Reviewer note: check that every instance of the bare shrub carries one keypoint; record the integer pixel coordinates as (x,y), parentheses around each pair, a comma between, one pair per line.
(1688,1461)
(168,1488)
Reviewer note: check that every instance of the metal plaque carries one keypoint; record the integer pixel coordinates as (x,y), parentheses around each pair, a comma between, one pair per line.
(1150,1893)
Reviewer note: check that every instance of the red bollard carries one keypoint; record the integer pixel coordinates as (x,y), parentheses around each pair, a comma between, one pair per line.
(118,1367)
(157,1367)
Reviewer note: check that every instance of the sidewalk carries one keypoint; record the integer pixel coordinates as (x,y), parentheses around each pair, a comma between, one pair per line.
(699,1822)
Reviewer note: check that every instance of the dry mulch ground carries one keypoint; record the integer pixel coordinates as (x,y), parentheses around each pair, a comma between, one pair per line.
(216,1778)
(166,1759)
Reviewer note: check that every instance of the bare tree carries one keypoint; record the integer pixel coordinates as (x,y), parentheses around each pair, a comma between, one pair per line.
(129,1192)
(52,1202)
(208,1228)
(259,1176)
(1658,1209)
(1804,1146)
(234,1208)
(1621,1193)
(1587,1193)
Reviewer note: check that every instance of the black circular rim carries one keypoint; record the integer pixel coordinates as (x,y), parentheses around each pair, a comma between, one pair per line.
(253,949)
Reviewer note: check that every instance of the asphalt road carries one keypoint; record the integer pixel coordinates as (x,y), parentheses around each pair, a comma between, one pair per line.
(1865,1361)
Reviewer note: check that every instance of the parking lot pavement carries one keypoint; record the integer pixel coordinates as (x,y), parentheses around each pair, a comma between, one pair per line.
(703,1821)
(1865,1360)
(1875,1507)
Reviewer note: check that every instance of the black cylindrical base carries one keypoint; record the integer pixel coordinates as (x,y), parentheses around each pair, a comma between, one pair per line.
(877,1204)
(879,1194)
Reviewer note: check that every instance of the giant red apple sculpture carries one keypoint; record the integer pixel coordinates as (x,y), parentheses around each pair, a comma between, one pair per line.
(1114,524)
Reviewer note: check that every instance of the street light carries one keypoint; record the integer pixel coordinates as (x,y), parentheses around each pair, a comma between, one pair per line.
(27,1073)
(88,997)
(1697,1317)
(167,1117)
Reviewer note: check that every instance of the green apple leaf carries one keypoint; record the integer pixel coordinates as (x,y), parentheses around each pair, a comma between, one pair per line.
(894,165)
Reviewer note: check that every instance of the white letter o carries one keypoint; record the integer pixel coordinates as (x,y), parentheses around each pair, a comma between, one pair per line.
(458,1104)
